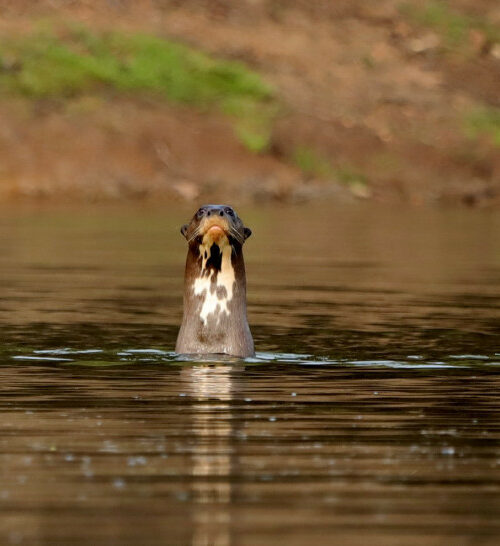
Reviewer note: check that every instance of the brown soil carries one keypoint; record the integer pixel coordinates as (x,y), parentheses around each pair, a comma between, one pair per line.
(362,86)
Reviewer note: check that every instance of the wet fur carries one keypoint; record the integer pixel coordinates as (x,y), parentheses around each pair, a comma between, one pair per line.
(225,331)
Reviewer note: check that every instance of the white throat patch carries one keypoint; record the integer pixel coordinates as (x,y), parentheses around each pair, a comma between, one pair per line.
(202,286)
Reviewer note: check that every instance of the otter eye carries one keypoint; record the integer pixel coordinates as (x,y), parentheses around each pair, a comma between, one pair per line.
(229,211)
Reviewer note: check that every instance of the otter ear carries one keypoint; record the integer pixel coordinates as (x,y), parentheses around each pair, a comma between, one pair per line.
(184,230)
(247,232)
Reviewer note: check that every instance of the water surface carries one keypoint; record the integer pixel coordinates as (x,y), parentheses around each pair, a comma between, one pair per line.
(369,415)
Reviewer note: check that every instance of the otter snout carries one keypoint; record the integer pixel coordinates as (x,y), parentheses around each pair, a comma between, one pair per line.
(217,223)
(216,233)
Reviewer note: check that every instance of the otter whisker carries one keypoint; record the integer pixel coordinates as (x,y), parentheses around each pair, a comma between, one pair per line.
(236,235)
(196,233)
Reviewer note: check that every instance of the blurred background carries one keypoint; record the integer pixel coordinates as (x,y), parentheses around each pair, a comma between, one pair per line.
(392,101)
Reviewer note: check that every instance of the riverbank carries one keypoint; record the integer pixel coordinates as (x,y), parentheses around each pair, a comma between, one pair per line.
(397,103)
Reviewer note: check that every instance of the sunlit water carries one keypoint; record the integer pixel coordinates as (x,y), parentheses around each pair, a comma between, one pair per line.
(370,414)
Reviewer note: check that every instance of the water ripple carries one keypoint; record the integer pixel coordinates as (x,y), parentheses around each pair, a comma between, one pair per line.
(158,356)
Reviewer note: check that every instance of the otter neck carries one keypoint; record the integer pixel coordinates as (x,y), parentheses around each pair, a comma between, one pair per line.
(215,318)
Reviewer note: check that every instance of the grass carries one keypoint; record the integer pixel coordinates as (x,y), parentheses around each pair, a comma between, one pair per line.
(484,121)
(355,180)
(75,61)
(452,25)
(350,176)
(311,163)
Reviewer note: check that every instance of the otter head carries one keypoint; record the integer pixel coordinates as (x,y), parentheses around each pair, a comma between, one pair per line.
(217,225)
(214,319)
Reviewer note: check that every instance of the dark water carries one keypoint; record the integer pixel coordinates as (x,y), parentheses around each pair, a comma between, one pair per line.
(369,416)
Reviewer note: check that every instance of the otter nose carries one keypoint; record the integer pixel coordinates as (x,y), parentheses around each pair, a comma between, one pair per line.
(215,210)
(220,212)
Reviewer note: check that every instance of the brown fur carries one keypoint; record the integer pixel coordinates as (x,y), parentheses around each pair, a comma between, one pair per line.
(215,332)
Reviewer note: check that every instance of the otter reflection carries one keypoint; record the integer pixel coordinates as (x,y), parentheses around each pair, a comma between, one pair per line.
(212,387)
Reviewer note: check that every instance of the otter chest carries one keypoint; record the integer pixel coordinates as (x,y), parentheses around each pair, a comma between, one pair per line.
(214,287)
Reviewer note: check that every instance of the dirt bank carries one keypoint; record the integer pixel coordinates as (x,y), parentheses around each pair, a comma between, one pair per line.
(376,101)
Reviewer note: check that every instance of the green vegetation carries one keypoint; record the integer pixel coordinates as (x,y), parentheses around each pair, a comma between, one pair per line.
(311,163)
(484,121)
(453,26)
(356,181)
(253,139)
(75,61)
(253,122)
(368,61)
(351,176)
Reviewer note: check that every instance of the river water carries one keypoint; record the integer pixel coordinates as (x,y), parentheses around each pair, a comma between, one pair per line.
(370,414)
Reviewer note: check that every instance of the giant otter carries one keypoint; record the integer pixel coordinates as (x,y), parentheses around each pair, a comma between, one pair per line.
(215,309)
